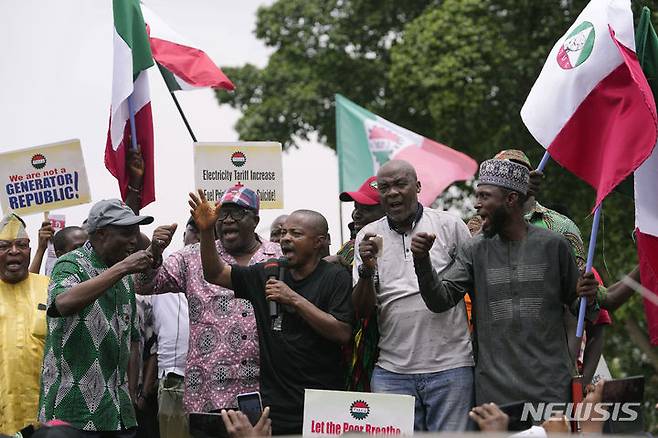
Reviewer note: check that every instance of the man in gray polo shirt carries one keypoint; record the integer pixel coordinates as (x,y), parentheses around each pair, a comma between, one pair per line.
(422,354)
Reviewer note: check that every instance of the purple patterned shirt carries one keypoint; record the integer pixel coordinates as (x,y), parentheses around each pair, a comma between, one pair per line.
(222,359)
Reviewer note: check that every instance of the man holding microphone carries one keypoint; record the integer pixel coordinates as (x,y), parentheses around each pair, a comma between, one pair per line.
(314,300)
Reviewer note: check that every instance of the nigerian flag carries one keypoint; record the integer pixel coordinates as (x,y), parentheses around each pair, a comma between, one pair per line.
(132,58)
(366,141)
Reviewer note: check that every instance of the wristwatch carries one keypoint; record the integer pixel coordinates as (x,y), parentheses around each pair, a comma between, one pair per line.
(365,272)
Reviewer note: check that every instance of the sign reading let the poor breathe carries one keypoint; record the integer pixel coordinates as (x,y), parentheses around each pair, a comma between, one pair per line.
(257,165)
(339,412)
(43,178)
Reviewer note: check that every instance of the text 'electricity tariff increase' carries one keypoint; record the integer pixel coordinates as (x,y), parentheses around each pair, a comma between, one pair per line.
(238,175)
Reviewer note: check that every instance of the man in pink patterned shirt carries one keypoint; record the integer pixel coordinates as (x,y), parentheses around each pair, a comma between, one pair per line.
(222,359)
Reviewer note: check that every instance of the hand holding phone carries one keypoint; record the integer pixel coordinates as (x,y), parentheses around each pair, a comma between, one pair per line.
(251,405)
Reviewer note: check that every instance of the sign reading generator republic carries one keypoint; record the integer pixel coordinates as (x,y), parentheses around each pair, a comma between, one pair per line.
(43,178)
(256,165)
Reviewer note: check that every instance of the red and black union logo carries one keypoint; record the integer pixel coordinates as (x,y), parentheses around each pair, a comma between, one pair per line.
(238,159)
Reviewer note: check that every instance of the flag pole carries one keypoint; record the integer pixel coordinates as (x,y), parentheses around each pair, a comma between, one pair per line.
(340,215)
(544,160)
(178,107)
(182,114)
(590,261)
(133,130)
(590,253)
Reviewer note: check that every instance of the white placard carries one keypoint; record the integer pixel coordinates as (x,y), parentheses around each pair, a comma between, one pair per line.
(257,165)
(339,412)
(43,178)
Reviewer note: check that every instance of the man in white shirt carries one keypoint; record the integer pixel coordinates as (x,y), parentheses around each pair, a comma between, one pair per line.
(171,325)
(423,354)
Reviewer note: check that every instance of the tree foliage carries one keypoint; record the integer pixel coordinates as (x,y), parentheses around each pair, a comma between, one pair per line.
(454,70)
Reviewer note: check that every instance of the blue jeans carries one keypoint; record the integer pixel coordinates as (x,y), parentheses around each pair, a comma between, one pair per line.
(443,399)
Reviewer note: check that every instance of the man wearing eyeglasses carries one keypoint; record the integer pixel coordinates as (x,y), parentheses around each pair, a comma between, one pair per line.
(22,328)
(222,358)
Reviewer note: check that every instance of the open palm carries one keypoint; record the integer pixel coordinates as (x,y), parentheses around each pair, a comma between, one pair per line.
(204,213)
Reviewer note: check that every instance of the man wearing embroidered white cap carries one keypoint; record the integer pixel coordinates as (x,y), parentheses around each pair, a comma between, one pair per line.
(521,276)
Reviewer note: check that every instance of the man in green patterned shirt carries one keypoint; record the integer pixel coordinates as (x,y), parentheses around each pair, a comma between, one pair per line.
(92,324)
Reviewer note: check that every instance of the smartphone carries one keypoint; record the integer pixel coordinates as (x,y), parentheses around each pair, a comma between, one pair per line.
(207,425)
(626,390)
(514,411)
(251,405)
(623,391)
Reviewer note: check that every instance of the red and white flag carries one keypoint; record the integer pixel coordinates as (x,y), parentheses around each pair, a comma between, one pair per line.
(646,182)
(591,106)
(183,66)
(646,235)
(132,58)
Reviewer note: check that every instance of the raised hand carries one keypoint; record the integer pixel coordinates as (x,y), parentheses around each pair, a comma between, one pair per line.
(46,233)
(134,166)
(536,178)
(139,261)
(204,213)
(161,239)
(368,250)
(421,243)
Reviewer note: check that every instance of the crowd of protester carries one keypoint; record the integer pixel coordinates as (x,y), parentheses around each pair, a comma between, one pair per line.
(120,341)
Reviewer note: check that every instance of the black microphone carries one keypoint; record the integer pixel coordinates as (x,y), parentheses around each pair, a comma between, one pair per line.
(272,270)
(283,264)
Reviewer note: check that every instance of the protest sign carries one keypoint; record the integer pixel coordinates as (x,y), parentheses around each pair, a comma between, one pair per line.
(339,412)
(43,178)
(58,222)
(257,165)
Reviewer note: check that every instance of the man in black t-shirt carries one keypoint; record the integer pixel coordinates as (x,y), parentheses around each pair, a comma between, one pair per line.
(301,349)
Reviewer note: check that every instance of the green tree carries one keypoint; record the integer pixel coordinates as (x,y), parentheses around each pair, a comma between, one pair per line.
(454,70)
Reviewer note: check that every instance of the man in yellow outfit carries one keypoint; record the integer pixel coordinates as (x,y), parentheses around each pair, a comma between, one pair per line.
(22,328)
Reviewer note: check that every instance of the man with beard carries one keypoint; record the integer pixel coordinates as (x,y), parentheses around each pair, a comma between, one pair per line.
(92,324)
(422,354)
(23,297)
(520,276)
(222,358)
(313,298)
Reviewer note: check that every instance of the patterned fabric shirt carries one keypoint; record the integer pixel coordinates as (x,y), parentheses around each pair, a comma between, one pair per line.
(84,378)
(552,220)
(148,340)
(546,218)
(222,357)
(347,251)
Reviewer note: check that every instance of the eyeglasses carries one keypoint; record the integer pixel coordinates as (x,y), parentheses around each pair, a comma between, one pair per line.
(236,214)
(19,244)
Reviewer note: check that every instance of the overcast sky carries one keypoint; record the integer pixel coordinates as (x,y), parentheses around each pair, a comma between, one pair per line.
(56,76)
